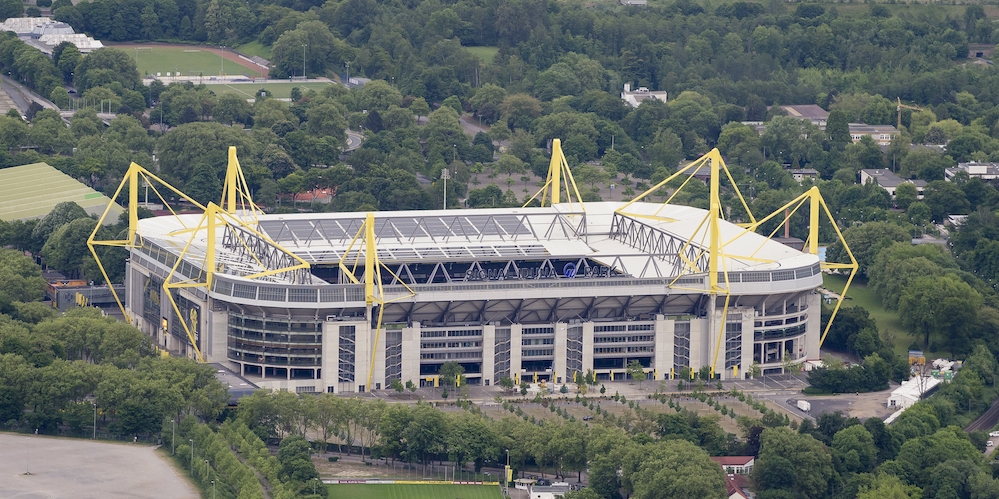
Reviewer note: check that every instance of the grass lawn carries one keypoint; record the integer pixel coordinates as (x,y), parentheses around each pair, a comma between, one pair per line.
(186,59)
(363,491)
(484,52)
(255,48)
(278,90)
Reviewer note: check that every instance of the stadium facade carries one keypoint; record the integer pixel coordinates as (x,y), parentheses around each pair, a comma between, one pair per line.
(293,301)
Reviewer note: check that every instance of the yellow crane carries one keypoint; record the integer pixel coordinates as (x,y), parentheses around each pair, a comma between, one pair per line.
(899,109)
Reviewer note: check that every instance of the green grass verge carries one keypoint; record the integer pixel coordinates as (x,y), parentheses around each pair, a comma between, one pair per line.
(888,321)
(255,48)
(486,53)
(363,491)
(186,59)
(278,90)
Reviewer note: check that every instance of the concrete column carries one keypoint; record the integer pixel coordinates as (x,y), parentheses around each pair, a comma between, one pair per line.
(561,351)
(516,333)
(587,346)
(813,331)
(748,334)
(378,378)
(699,338)
(363,343)
(331,355)
(663,359)
(411,354)
(488,353)
(217,339)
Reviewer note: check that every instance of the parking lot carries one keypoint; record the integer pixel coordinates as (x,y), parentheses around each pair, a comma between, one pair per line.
(77,468)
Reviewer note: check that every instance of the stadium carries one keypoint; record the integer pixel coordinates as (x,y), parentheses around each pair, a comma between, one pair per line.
(347,302)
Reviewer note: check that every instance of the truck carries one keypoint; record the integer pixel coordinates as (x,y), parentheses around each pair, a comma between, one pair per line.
(804,405)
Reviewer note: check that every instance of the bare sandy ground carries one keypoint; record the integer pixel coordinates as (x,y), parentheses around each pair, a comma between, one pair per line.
(77,468)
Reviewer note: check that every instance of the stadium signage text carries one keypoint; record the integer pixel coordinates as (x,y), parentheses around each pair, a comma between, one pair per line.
(569,271)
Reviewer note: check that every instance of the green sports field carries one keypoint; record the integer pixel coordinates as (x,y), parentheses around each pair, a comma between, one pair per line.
(278,90)
(186,59)
(361,491)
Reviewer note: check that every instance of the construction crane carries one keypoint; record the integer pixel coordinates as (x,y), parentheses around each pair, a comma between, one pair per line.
(899,109)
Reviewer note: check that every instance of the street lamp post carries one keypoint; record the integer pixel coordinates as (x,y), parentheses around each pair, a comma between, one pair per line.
(192,455)
(222,63)
(348,73)
(304,76)
(95,420)
(213,489)
(173,438)
(206,467)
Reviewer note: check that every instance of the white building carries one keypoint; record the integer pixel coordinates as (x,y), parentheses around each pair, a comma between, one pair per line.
(635,97)
(984,171)
(44,34)
(911,391)
(889,181)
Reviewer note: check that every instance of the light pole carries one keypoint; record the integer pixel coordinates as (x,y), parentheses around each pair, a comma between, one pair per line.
(445,174)
(173,438)
(95,420)
(206,468)
(348,73)
(304,76)
(314,480)
(213,489)
(222,63)
(192,455)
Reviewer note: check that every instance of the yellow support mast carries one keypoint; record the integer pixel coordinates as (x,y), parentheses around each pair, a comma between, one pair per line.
(559,174)
(134,178)
(374,293)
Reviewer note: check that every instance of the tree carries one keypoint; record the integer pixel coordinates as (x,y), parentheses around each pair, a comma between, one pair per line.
(905,195)
(450,372)
(232,109)
(865,241)
(637,372)
(63,213)
(838,128)
(886,486)
(520,110)
(396,384)
(185,148)
(66,249)
(795,463)
(294,457)
(20,279)
(10,8)
(104,66)
(674,469)
(854,450)
(322,50)
(945,305)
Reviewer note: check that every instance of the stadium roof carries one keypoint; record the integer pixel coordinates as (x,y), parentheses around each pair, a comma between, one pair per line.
(31,191)
(558,232)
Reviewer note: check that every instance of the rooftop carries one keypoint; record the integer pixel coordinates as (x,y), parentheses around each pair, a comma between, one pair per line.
(733,460)
(31,191)
(811,112)
(888,178)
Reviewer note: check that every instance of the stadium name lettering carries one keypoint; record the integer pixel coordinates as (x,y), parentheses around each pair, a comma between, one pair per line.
(537,273)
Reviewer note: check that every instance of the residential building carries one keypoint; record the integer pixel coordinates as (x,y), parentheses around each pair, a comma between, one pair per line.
(800,174)
(984,171)
(889,181)
(634,98)
(882,134)
(739,465)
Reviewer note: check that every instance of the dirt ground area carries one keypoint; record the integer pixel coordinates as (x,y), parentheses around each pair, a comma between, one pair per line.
(76,468)
(863,406)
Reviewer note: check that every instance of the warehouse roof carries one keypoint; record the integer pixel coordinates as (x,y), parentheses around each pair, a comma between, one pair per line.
(31,191)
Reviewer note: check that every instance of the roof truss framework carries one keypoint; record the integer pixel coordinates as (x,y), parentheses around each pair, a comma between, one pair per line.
(249,246)
(674,252)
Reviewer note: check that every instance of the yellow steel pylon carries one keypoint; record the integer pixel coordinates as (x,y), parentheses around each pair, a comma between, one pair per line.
(374,293)
(559,174)
(132,178)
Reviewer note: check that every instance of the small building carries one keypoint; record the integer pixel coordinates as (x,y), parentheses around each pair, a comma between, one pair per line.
(636,97)
(550,491)
(800,174)
(889,181)
(882,134)
(811,112)
(912,391)
(974,169)
(737,487)
(981,50)
(739,465)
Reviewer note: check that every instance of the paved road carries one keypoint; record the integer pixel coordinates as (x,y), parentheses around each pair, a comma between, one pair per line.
(354,140)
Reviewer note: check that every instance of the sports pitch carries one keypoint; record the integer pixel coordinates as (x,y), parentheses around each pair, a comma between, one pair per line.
(188,60)
(278,90)
(407,491)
